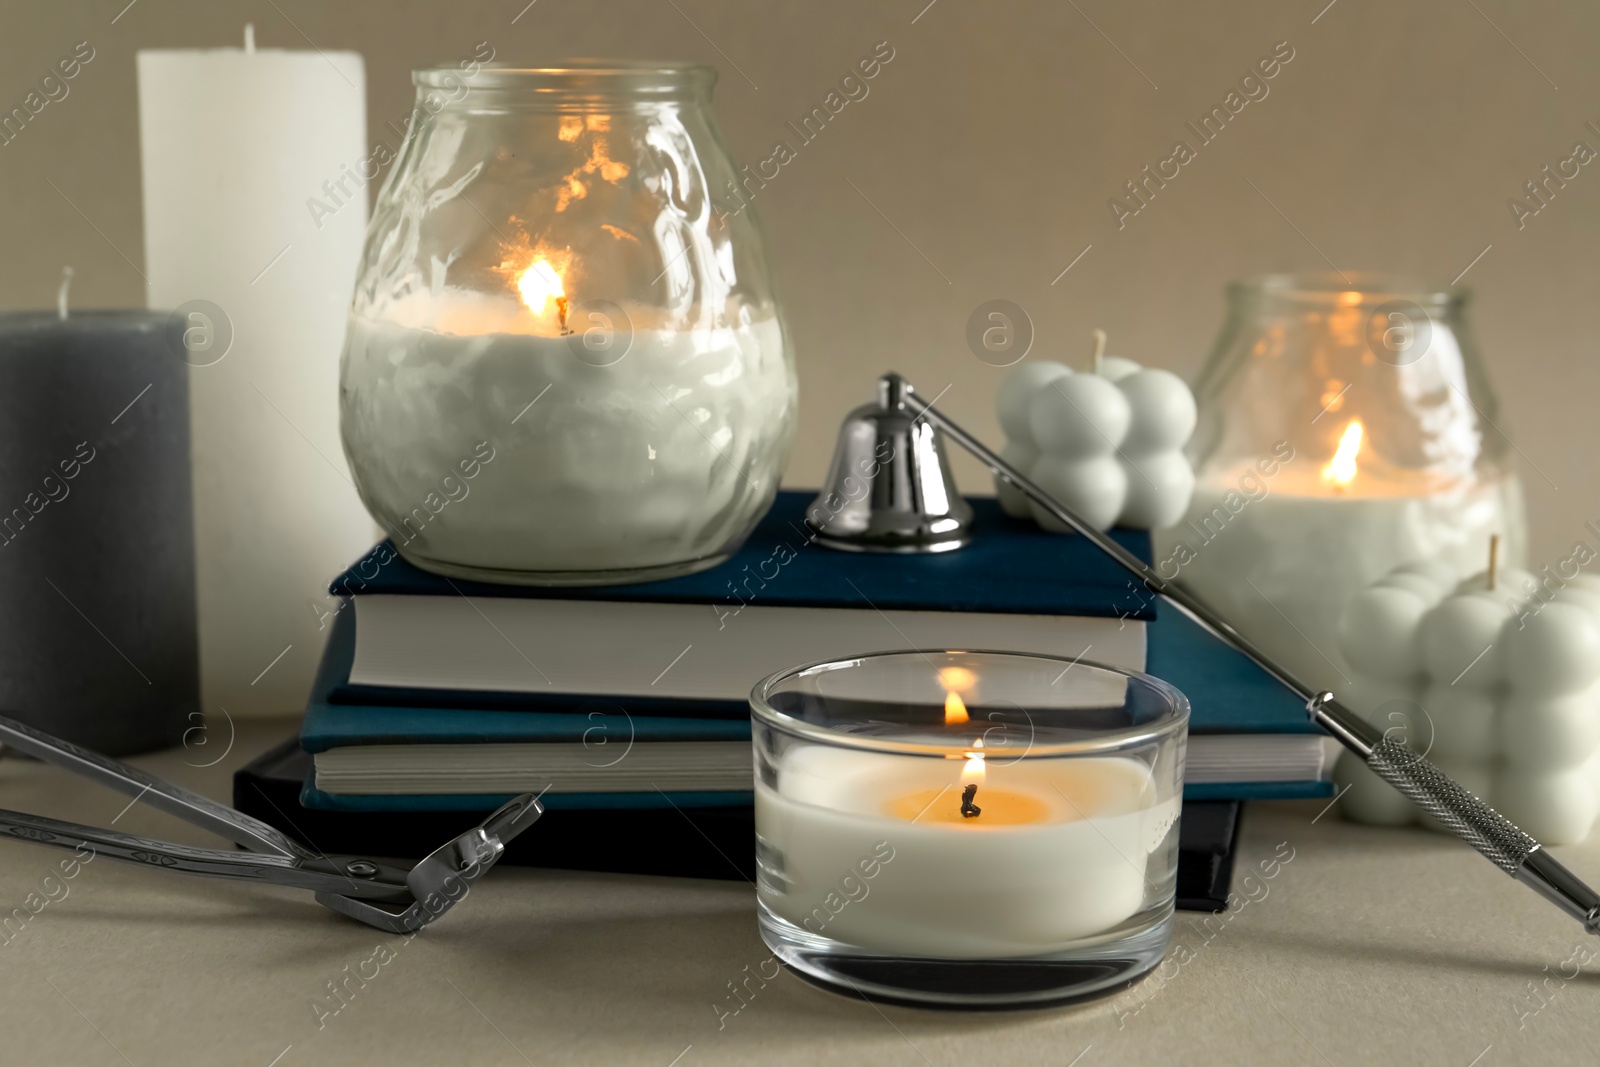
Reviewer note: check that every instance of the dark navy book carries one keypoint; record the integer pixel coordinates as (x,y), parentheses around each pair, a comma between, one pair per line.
(1012,566)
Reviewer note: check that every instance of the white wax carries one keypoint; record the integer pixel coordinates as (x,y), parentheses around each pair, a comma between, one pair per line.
(234,146)
(1282,567)
(1499,688)
(1108,444)
(658,458)
(959,888)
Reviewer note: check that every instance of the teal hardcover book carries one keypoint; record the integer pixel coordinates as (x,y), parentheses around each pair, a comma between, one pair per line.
(1227,693)
(1230,696)
(601,733)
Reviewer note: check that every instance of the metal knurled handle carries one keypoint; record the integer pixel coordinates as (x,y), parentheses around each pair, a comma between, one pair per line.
(1485,829)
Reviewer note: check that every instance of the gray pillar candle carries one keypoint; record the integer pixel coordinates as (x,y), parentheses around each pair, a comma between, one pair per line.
(97,596)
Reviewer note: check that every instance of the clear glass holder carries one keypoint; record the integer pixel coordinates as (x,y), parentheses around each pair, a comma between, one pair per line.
(967,829)
(555,231)
(1094,969)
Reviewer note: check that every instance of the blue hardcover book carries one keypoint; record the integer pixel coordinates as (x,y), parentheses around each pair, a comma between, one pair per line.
(363,754)
(694,645)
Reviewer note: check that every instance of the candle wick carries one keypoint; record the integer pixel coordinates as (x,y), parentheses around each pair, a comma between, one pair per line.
(969,810)
(249,38)
(61,293)
(1494,559)
(1099,349)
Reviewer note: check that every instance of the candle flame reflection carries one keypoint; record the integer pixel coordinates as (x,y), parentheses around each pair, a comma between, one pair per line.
(573,186)
(1341,469)
(958,678)
(955,709)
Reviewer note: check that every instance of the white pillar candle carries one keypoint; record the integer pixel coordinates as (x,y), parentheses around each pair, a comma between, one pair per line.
(251,203)
(1058,852)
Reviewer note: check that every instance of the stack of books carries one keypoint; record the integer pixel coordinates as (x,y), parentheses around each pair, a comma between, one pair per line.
(625,708)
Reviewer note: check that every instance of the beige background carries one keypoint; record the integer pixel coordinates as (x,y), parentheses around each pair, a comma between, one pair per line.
(991,143)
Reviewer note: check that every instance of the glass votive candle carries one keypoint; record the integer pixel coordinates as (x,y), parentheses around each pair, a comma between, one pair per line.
(967,828)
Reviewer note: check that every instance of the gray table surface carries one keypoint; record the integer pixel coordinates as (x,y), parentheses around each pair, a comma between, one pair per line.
(1368,946)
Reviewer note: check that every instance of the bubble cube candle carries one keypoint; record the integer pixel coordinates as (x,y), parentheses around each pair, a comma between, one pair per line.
(1107,442)
(1496,679)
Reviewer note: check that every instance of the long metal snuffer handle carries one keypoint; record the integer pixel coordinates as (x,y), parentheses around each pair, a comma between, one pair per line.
(343,883)
(1475,822)
(191,807)
(336,874)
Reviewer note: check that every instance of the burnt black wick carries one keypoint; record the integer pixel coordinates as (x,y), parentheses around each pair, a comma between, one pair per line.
(969,810)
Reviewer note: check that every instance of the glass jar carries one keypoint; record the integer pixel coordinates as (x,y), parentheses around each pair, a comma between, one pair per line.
(967,829)
(1346,429)
(565,365)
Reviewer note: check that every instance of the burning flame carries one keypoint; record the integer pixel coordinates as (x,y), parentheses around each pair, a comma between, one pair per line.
(540,284)
(972,772)
(538,273)
(1341,469)
(955,709)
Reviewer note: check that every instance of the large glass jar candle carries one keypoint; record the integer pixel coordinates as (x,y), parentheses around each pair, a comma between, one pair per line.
(1346,429)
(565,364)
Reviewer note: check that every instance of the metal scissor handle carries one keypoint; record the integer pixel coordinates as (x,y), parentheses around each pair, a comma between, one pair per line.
(343,883)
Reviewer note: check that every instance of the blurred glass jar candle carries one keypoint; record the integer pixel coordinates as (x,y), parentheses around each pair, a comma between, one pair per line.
(976,828)
(565,364)
(1346,429)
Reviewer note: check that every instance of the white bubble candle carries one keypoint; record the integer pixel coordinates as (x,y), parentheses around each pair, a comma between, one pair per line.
(1107,442)
(1495,678)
